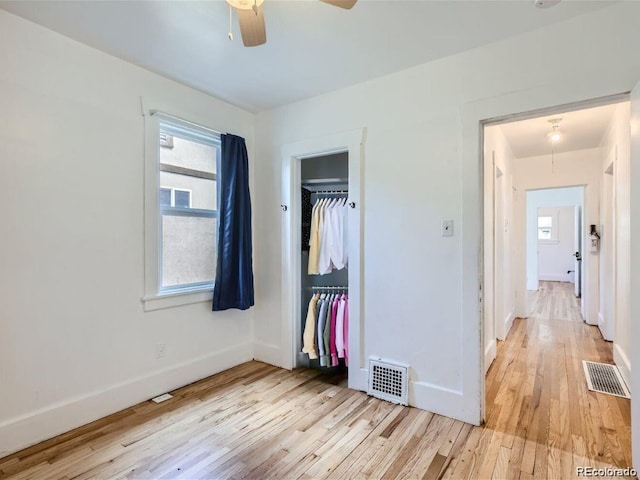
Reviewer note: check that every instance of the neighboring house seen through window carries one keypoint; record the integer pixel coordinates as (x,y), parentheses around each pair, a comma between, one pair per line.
(187,201)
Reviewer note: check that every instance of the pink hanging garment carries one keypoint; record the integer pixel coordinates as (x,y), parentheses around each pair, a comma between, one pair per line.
(340,341)
(332,332)
(346,331)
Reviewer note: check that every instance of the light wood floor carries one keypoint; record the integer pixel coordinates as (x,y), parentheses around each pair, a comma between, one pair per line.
(260,422)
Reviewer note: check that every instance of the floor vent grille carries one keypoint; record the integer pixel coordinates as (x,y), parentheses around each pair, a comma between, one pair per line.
(605,378)
(388,381)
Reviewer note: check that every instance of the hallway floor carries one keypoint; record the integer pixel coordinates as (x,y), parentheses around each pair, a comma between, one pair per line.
(544,418)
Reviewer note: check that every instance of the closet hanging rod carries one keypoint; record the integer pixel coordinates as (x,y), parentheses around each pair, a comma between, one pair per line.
(328,288)
(332,192)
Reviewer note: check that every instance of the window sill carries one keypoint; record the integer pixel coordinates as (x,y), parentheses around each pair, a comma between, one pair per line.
(548,242)
(176,299)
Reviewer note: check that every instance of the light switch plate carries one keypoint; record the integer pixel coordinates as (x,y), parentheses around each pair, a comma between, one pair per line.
(447,228)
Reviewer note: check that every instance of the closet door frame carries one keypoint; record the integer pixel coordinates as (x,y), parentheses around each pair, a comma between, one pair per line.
(293,154)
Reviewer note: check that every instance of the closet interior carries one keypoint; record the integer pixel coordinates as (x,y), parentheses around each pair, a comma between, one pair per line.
(324,273)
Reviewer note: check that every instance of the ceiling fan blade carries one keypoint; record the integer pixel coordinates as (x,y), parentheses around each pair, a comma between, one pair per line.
(341,3)
(252,27)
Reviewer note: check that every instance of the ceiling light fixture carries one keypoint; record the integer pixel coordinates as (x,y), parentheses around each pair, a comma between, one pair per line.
(554,134)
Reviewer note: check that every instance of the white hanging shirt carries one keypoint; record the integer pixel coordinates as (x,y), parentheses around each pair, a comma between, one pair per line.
(344,210)
(336,241)
(314,239)
(324,258)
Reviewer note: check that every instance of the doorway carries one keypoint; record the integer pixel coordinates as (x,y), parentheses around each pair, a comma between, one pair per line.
(554,238)
(526,169)
(556,300)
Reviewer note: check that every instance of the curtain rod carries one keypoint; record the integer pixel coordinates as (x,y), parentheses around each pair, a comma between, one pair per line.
(173,117)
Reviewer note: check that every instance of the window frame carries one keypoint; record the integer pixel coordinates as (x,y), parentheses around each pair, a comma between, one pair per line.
(156,296)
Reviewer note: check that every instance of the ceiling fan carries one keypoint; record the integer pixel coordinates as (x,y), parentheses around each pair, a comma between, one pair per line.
(251,19)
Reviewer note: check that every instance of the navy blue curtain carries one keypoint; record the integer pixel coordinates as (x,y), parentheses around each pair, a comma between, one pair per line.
(234,271)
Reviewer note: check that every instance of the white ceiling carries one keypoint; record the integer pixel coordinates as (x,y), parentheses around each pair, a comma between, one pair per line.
(312,47)
(579,130)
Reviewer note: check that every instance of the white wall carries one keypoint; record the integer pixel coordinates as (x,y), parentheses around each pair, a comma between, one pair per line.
(536,199)
(499,289)
(75,343)
(422,165)
(555,259)
(616,302)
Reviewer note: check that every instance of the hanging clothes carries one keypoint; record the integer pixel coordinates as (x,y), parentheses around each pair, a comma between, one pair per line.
(314,240)
(308,336)
(327,243)
(326,331)
(340,340)
(345,328)
(332,334)
(322,318)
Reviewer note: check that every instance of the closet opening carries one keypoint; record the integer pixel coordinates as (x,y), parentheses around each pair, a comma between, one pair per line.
(324,272)
(322,181)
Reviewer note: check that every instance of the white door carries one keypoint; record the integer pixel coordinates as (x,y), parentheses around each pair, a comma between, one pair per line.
(577,244)
(634,220)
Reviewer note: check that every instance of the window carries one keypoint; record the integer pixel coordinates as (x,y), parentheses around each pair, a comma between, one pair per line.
(175,197)
(548,225)
(187,213)
(181,218)
(545,228)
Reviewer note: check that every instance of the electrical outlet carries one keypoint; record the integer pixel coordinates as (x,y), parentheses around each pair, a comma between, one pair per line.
(161,350)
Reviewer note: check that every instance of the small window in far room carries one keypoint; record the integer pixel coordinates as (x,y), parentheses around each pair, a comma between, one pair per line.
(545,228)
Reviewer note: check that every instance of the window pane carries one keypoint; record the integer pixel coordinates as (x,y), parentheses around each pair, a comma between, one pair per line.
(165,197)
(190,154)
(182,199)
(188,250)
(544,234)
(545,221)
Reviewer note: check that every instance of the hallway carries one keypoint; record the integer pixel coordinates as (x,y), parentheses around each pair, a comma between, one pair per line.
(544,418)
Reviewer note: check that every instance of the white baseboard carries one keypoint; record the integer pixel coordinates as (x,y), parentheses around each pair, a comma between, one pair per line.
(489,355)
(267,353)
(436,399)
(35,427)
(621,360)
(508,323)
(554,277)
(521,304)
(359,379)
